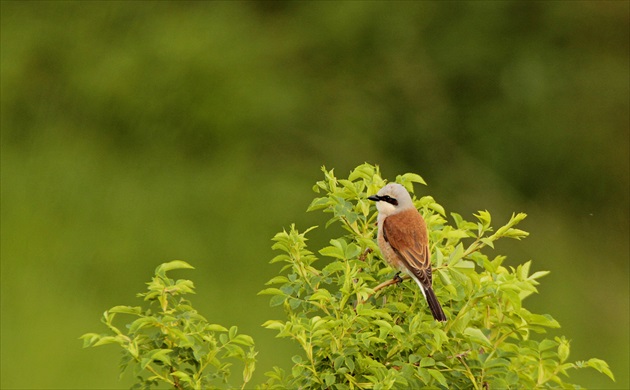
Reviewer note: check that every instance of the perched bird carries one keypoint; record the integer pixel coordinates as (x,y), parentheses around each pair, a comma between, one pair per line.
(404,240)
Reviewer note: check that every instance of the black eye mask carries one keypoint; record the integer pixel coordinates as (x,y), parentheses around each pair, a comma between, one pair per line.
(384,198)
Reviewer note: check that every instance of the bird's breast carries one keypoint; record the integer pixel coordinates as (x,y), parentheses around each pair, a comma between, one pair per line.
(389,254)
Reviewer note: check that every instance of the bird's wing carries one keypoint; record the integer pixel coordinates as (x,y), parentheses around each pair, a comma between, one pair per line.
(406,233)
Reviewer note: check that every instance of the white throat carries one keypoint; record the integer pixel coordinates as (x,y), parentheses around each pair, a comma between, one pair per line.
(385,209)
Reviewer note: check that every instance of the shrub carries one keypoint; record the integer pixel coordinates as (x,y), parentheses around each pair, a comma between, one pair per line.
(356,332)
(170,343)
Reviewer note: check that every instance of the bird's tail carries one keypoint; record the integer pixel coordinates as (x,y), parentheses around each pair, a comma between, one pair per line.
(434,305)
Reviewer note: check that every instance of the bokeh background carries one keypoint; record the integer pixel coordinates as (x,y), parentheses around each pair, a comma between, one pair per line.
(134,133)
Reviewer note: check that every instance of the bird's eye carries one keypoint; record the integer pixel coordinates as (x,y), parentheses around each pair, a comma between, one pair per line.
(390,200)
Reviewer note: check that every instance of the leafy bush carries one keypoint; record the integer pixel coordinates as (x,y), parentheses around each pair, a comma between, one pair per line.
(356,332)
(170,342)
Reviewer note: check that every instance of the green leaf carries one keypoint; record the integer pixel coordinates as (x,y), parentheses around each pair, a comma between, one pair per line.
(463,225)
(352,251)
(321,295)
(363,171)
(250,365)
(319,203)
(546,344)
(182,376)
(103,340)
(522,271)
(89,339)
(233,350)
(517,218)
(484,217)
(414,178)
(232,332)
(383,324)
(408,179)
(427,362)
(456,234)
(335,266)
(349,363)
(515,233)
(273,324)
(438,376)
(294,303)
(271,291)
(496,362)
(136,310)
(543,320)
(600,366)
(456,255)
(243,339)
(465,264)
(329,379)
(488,241)
(277,300)
(216,328)
(183,286)
(161,355)
(281,257)
(175,264)
(332,251)
(181,339)
(477,336)
(563,348)
(539,274)
(278,279)
(141,323)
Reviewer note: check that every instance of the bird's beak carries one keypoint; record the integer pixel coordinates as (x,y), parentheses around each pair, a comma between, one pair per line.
(375,198)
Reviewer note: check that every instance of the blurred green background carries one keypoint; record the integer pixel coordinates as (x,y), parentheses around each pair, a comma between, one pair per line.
(134,133)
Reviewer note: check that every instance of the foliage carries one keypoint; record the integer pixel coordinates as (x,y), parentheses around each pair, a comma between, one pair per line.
(355,334)
(170,343)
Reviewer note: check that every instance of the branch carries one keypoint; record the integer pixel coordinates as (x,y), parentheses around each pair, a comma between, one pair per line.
(397,279)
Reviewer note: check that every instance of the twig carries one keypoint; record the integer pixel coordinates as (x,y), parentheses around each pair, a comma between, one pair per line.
(365,253)
(387,283)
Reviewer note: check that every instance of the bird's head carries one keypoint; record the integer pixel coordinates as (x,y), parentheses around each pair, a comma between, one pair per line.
(392,199)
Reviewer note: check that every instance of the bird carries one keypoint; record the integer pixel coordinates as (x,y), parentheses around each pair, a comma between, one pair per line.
(404,240)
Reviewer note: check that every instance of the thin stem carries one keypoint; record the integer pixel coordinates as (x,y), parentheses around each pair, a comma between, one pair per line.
(469,373)
(386,284)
